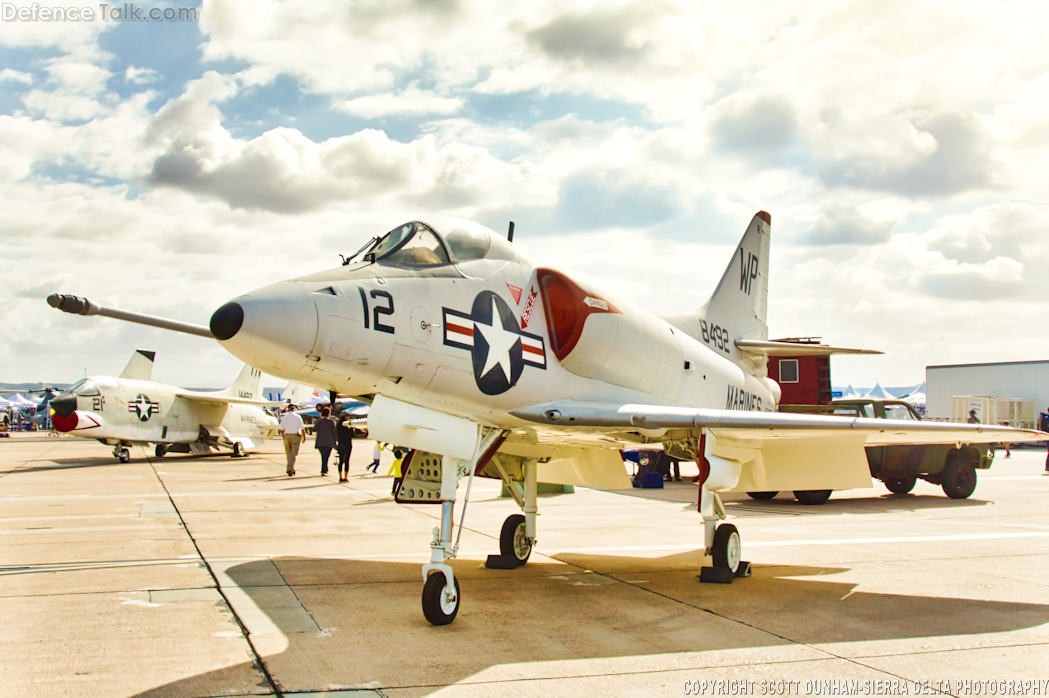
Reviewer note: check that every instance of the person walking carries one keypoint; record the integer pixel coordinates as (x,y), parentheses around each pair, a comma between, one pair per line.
(324,437)
(293,432)
(344,439)
(376,455)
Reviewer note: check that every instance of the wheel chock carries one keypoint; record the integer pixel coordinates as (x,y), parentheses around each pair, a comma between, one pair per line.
(716,575)
(498,562)
(744,569)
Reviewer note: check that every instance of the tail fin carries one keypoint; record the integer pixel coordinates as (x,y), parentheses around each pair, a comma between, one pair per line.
(248,384)
(739,304)
(737,309)
(139,366)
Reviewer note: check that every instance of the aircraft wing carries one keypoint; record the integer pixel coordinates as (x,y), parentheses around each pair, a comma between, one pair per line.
(223,399)
(771,425)
(776,450)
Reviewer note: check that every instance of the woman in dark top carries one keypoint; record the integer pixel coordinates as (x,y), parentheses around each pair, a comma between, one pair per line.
(344,435)
(324,433)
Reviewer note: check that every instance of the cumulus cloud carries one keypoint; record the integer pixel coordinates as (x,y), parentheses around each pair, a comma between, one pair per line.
(954,156)
(11,75)
(997,278)
(409,102)
(843,224)
(758,125)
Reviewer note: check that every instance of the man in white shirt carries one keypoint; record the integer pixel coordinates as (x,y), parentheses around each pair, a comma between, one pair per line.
(294,431)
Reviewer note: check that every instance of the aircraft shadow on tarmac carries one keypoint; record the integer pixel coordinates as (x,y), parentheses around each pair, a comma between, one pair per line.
(360,625)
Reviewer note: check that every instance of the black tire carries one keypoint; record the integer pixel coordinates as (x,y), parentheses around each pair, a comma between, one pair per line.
(812,497)
(762,495)
(160,450)
(124,455)
(902,486)
(438,609)
(958,479)
(727,548)
(238,449)
(513,545)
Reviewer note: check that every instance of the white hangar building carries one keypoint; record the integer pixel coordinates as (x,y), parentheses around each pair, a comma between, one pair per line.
(1015,380)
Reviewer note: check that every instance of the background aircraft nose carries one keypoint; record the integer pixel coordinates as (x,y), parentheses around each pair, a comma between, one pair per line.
(64,404)
(227,321)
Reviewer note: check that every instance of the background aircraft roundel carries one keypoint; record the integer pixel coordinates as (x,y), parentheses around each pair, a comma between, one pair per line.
(498,347)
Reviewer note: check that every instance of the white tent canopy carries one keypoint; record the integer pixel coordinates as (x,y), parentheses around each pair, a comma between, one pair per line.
(878,393)
(17,400)
(917,396)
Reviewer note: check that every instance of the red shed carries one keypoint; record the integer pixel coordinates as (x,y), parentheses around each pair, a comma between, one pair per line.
(805,380)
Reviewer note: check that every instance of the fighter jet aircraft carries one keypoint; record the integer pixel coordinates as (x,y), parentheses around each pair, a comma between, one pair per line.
(133,409)
(487,366)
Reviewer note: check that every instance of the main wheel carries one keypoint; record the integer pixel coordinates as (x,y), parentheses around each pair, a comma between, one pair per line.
(513,543)
(440,603)
(762,495)
(727,550)
(812,497)
(238,449)
(901,486)
(123,455)
(160,450)
(958,479)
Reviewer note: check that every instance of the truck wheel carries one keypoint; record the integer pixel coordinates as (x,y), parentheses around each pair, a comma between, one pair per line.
(762,495)
(812,497)
(958,479)
(902,486)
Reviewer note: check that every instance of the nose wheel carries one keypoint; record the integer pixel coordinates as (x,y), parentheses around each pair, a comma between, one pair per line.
(440,599)
(122,454)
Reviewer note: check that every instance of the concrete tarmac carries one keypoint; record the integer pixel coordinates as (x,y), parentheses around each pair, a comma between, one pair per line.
(190,576)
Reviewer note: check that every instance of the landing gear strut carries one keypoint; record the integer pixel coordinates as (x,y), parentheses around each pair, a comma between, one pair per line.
(722,539)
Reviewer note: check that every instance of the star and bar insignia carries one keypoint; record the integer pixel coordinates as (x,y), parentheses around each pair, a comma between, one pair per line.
(143,407)
(500,349)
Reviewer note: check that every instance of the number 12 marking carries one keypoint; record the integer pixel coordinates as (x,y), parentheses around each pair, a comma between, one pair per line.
(377,310)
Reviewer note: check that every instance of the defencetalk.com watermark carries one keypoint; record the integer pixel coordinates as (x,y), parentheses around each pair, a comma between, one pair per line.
(125,12)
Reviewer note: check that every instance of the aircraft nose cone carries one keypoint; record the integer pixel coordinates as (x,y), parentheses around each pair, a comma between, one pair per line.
(64,405)
(272,328)
(227,321)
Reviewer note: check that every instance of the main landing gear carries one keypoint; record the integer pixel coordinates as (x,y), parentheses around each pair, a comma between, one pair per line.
(722,540)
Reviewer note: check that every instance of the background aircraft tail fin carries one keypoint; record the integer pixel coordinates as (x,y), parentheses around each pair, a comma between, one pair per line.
(248,384)
(139,366)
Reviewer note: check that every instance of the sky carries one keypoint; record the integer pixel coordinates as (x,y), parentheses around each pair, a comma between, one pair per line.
(165,164)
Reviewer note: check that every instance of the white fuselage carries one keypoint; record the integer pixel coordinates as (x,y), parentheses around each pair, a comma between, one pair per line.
(124,410)
(480,344)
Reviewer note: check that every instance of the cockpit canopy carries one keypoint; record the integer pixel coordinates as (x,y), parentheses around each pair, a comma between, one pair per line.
(418,245)
(89,387)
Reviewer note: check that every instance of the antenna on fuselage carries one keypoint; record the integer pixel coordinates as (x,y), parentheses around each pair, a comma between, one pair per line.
(510,233)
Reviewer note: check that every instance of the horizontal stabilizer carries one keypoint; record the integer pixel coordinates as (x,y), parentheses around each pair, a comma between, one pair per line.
(772,347)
